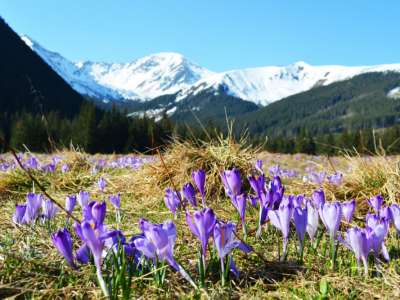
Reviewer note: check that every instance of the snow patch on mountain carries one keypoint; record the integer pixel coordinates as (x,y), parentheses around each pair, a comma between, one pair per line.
(80,81)
(394,93)
(268,84)
(171,73)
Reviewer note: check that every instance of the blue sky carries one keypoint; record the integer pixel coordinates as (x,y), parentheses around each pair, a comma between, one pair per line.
(219,34)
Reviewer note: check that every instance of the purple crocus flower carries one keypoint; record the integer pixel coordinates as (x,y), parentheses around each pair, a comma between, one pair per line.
(386,214)
(158,240)
(82,254)
(312,219)
(275,170)
(83,198)
(232,182)
(348,209)
(298,201)
(87,211)
(171,200)
(239,202)
(372,220)
(377,235)
(70,202)
(318,197)
(275,192)
(358,241)
(92,239)
(190,194)
(18,217)
(331,214)
(33,204)
(336,179)
(317,177)
(64,168)
(115,200)
(199,178)
(300,221)
(259,166)
(280,218)
(201,224)
(63,242)
(225,242)
(101,183)
(376,203)
(396,216)
(49,209)
(257,184)
(32,162)
(99,212)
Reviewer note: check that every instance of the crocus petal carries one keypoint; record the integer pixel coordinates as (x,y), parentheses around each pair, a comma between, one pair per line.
(63,242)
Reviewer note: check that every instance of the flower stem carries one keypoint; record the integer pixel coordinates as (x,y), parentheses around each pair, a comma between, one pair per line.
(102,284)
(222,272)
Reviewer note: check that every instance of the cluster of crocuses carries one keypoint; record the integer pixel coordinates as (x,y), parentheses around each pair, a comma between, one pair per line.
(320,177)
(36,207)
(123,162)
(204,224)
(283,210)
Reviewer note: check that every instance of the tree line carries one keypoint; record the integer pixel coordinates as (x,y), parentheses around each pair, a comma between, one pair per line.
(98,131)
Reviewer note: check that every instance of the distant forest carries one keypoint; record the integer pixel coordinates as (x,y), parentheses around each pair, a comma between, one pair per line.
(95,130)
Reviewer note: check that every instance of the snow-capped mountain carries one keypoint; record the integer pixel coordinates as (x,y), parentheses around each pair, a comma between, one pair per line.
(170,73)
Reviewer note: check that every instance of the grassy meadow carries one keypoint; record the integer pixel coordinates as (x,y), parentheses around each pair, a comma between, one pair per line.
(31,267)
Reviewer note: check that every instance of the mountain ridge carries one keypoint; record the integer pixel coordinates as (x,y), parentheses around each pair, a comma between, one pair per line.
(165,73)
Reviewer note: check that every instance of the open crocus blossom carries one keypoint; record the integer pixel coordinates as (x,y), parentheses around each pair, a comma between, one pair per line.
(158,240)
(83,198)
(232,182)
(189,193)
(63,242)
(376,203)
(199,178)
(348,209)
(357,240)
(225,242)
(280,218)
(172,200)
(312,219)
